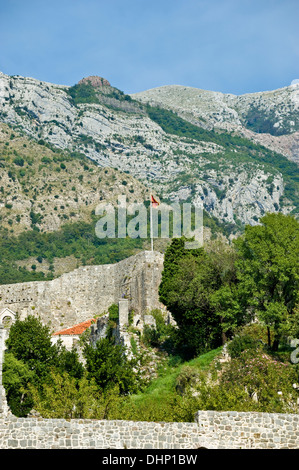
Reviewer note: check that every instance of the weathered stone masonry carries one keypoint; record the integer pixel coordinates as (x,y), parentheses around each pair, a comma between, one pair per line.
(248,430)
(212,430)
(88,291)
(92,434)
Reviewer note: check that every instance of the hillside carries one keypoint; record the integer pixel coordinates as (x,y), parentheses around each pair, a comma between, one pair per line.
(162,145)
(43,187)
(47,203)
(268,118)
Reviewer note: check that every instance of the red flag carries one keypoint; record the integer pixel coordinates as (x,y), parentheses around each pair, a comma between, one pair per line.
(154,202)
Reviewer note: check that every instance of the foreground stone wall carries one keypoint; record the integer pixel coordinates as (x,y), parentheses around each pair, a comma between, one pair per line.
(37,433)
(245,430)
(88,291)
(211,430)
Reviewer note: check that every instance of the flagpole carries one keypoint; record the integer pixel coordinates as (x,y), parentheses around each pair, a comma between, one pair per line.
(151,225)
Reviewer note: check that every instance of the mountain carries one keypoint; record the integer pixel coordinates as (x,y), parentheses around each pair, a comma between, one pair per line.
(269,118)
(47,209)
(238,155)
(44,187)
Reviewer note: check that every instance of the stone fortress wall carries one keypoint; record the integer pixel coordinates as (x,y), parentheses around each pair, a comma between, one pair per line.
(87,291)
(80,295)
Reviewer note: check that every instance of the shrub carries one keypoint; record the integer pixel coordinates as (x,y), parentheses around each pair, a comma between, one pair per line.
(113,313)
(186,379)
(254,381)
(156,336)
(241,343)
(18,161)
(109,366)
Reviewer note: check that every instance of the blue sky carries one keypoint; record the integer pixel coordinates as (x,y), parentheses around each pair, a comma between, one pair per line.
(232,46)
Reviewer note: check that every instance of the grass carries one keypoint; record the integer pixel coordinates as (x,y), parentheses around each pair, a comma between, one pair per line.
(164,385)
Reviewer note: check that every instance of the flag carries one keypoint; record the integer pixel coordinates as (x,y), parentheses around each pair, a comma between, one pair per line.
(154,202)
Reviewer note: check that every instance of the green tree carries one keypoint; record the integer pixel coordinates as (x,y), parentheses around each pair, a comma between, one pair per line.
(30,341)
(16,376)
(65,397)
(198,289)
(108,365)
(268,272)
(32,358)
(68,361)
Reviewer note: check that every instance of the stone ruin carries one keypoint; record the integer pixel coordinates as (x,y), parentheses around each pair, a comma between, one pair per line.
(87,292)
(82,295)
(95,81)
(120,332)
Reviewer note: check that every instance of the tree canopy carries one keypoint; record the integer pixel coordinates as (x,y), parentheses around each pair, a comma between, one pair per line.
(198,289)
(268,271)
(213,290)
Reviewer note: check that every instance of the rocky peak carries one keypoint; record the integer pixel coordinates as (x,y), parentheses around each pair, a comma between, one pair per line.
(94,81)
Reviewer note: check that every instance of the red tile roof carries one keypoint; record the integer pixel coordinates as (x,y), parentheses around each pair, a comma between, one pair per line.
(76,329)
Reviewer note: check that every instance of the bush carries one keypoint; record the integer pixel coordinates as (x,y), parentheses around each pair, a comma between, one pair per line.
(82,93)
(113,313)
(157,336)
(241,343)
(186,379)
(18,161)
(253,381)
(16,376)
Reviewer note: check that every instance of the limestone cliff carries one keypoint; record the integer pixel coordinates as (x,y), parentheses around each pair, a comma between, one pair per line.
(58,187)
(236,181)
(270,118)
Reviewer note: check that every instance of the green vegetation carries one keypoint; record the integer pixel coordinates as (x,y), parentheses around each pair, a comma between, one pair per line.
(30,357)
(268,272)
(236,149)
(198,288)
(111,97)
(171,123)
(73,239)
(77,239)
(46,213)
(258,120)
(107,364)
(53,380)
(83,93)
(213,291)
(222,282)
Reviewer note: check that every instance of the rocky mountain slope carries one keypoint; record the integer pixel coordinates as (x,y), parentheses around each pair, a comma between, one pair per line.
(47,203)
(270,118)
(186,145)
(45,188)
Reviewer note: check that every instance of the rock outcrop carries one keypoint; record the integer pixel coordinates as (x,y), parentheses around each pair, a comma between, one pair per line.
(95,81)
(270,118)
